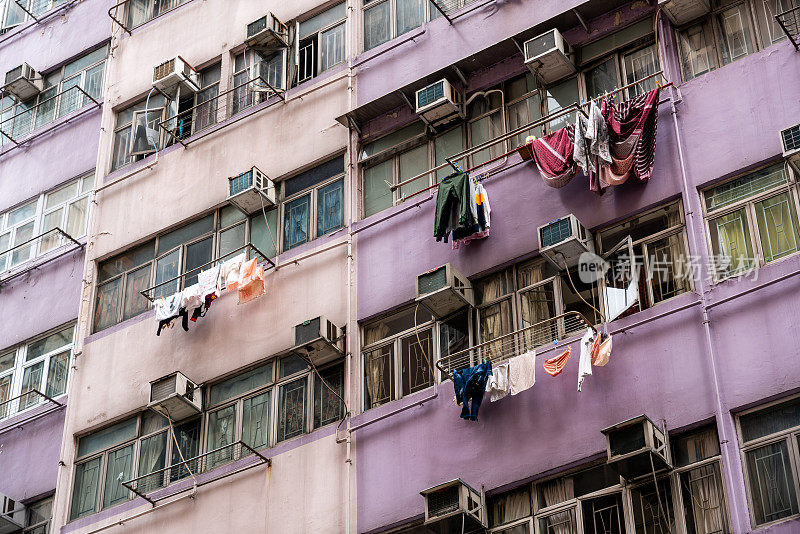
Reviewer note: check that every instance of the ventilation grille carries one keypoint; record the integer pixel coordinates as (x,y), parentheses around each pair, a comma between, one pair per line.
(163,388)
(443,501)
(307,331)
(241,183)
(432,281)
(791,138)
(13,74)
(430,94)
(555,232)
(165,69)
(257,26)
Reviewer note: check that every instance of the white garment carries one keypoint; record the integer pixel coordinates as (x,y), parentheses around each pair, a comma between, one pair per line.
(192,297)
(231,271)
(487,210)
(473,205)
(522,372)
(597,132)
(168,307)
(585,364)
(209,282)
(497,385)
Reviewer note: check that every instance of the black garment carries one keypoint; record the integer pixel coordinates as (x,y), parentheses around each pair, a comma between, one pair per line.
(453,211)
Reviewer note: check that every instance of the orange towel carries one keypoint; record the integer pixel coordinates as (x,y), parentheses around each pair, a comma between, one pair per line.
(603,352)
(595,349)
(554,366)
(251,285)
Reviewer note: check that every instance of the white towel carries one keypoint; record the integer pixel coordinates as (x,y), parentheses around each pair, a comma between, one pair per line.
(209,282)
(585,364)
(168,307)
(497,385)
(522,372)
(231,271)
(192,297)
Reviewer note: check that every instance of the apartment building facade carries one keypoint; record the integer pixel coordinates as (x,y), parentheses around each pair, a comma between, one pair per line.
(290,423)
(53,58)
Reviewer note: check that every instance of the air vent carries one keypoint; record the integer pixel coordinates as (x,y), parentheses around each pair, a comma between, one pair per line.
(564,240)
(555,232)
(790,138)
(454,507)
(444,290)
(173,396)
(319,339)
(430,94)
(251,191)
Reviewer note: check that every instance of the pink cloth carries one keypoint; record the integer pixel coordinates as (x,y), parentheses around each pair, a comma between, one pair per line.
(632,128)
(553,156)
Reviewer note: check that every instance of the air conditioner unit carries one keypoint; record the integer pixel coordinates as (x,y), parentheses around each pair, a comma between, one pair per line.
(175,73)
(175,397)
(439,102)
(680,12)
(637,447)
(565,237)
(448,504)
(251,190)
(319,339)
(23,82)
(12,515)
(267,33)
(548,56)
(444,290)
(790,145)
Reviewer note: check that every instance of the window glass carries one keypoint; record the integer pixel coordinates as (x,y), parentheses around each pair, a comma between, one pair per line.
(188,437)
(197,255)
(454,334)
(417,361)
(510,506)
(525,112)
(85,61)
(314,176)
(107,437)
(602,78)
(290,365)
(232,239)
(84,495)
(230,215)
(394,324)
(167,269)
(560,96)
(57,375)
(704,499)
(185,233)
(21,213)
(326,18)
(594,479)
(221,432)
(736,33)
(377,195)
(697,50)
(31,381)
(152,458)
(5,395)
(730,240)
(292,409)
(296,220)
(744,187)
(135,282)
(7,360)
(639,65)
(264,236)
(120,466)
(770,420)
(255,420)
(393,139)
(330,207)
(105,308)
(446,145)
(777,226)
(410,15)
(483,130)
(377,29)
(604,514)
(328,407)
(616,40)
(772,485)
(240,384)
(559,522)
(76,217)
(379,376)
(332,46)
(412,163)
(50,343)
(59,196)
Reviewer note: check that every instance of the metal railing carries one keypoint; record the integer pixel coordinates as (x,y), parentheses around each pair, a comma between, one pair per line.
(180,280)
(789,20)
(34,247)
(45,112)
(552,332)
(573,108)
(227,104)
(148,486)
(153,10)
(22,402)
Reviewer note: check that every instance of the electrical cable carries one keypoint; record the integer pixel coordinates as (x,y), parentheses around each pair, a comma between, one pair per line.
(658,493)
(308,359)
(419,341)
(180,453)
(269,230)
(569,277)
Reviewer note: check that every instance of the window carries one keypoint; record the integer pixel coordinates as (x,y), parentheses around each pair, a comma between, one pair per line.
(723,36)
(61,95)
(769,8)
(137,132)
(769,438)
(128,449)
(752,220)
(314,203)
(66,208)
(658,244)
(38,366)
(197,111)
(387,19)
(398,356)
(38,515)
(322,42)
(123,277)
(12,14)
(249,65)
(141,11)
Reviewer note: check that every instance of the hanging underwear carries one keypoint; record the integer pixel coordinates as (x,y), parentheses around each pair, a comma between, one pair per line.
(554,366)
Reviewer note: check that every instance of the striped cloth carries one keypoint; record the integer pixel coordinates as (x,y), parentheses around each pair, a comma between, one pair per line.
(553,155)
(632,127)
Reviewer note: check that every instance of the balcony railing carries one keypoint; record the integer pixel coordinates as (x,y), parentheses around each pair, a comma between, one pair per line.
(173,284)
(146,11)
(789,20)
(20,403)
(39,246)
(17,126)
(550,333)
(150,487)
(183,126)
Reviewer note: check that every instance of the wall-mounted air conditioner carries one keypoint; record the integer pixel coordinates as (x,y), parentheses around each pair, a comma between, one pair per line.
(790,145)
(549,56)
(251,190)
(23,82)
(637,447)
(439,102)
(448,504)
(175,73)
(444,290)
(12,515)
(680,12)
(267,33)
(564,240)
(319,339)
(175,397)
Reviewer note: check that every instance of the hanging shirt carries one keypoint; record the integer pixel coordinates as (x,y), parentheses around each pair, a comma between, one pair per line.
(522,372)
(497,386)
(453,209)
(168,307)
(585,363)
(483,218)
(209,281)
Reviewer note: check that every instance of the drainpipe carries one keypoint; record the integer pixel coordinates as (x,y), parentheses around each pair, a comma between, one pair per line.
(726,443)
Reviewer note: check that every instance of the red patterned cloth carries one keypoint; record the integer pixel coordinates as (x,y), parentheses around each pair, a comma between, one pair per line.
(632,127)
(553,156)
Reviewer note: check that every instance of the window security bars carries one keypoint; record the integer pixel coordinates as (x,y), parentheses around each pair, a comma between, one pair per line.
(789,20)
(146,485)
(23,402)
(550,333)
(22,252)
(235,100)
(147,293)
(27,121)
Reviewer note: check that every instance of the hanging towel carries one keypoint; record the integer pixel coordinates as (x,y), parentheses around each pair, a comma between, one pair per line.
(497,385)
(251,285)
(585,363)
(231,271)
(522,372)
(555,365)
(603,351)
(553,155)
(209,281)
(632,128)
(192,297)
(591,140)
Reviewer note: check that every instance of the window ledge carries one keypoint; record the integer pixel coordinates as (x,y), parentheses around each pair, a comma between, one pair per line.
(28,415)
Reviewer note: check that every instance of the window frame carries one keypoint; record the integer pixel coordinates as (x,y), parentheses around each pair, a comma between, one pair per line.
(118,129)
(313,206)
(789,187)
